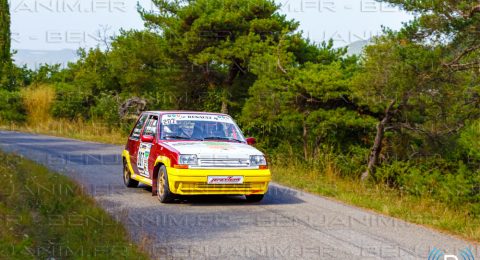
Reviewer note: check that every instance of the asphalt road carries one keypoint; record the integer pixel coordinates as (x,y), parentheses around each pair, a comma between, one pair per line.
(287,224)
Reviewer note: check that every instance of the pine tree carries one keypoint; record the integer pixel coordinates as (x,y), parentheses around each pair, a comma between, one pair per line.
(219,36)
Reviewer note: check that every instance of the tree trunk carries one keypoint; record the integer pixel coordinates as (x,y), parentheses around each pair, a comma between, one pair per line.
(225,99)
(224,107)
(377,144)
(227,84)
(305,140)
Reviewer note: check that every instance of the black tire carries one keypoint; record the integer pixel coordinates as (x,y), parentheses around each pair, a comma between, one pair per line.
(164,194)
(254,198)
(129,182)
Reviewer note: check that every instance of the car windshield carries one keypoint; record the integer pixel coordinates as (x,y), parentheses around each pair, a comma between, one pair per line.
(199,127)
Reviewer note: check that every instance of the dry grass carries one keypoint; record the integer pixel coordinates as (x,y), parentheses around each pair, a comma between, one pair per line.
(40,215)
(426,211)
(37,101)
(77,129)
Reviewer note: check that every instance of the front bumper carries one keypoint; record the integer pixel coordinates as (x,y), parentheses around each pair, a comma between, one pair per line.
(194,181)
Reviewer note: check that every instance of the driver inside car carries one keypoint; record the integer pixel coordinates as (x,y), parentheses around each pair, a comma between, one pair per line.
(197,131)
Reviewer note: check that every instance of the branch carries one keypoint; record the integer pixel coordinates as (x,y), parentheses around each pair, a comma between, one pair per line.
(279,63)
(414,128)
(463,54)
(465,66)
(434,134)
(475,10)
(341,102)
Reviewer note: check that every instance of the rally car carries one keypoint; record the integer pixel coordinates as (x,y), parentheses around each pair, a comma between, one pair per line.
(193,153)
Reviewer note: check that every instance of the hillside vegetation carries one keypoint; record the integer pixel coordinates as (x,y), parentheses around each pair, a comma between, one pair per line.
(47,216)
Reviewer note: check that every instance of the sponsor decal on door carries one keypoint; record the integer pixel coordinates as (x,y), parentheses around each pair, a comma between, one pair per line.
(142,160)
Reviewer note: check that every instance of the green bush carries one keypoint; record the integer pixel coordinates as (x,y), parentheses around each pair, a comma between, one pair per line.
(71,102)
(212,100)
(11,109)
(106,110)
(450,182)
(470,140)
(352,163)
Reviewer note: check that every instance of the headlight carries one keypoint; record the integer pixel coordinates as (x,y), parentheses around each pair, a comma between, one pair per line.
(257,160)
(188,159)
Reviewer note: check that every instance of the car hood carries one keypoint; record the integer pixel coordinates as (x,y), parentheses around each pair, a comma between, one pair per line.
(205,149)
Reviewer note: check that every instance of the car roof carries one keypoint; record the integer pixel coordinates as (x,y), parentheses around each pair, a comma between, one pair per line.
(183,112)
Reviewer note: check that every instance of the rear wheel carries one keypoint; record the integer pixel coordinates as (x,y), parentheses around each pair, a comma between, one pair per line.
(254,198)
(127,180)
(164,194)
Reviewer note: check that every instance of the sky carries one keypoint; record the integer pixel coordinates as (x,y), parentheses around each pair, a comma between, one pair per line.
(70,24)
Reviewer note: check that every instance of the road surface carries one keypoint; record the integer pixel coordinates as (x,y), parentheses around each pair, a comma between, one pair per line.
(287,224)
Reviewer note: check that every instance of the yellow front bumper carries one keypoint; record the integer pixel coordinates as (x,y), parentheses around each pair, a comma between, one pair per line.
(194,181)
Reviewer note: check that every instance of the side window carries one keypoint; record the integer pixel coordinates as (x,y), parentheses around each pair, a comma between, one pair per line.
(151,127)
(138,127)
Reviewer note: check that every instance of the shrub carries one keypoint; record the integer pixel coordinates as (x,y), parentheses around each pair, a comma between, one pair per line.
(452,183)
(11,108)
(470,140)
(71,102)
(353,162)
(212,100)
(106,110)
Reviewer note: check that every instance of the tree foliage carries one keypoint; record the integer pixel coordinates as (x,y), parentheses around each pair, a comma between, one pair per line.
(5,41)
(423,77)
(453,25)
(219,38)
(303,99)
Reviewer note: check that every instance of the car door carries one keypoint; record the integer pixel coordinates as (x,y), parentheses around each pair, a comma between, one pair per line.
(134,141)
(144,163)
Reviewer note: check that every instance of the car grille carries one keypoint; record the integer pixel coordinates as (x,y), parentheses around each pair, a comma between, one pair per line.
(223,163)
(204,188)
(222,186)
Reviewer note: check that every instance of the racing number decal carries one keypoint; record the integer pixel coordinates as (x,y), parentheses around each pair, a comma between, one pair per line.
(170,121)
(142,159)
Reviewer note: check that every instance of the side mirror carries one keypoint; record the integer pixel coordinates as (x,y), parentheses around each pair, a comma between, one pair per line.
(251,140)
(147,138)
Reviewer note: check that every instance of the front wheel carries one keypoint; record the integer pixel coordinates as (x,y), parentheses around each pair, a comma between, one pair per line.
(127,180)
(164,194)
(254,198)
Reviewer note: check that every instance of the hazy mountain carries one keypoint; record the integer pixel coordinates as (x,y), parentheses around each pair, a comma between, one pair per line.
(34,58)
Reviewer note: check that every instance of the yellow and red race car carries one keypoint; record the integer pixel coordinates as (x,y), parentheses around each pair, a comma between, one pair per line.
(193,153)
